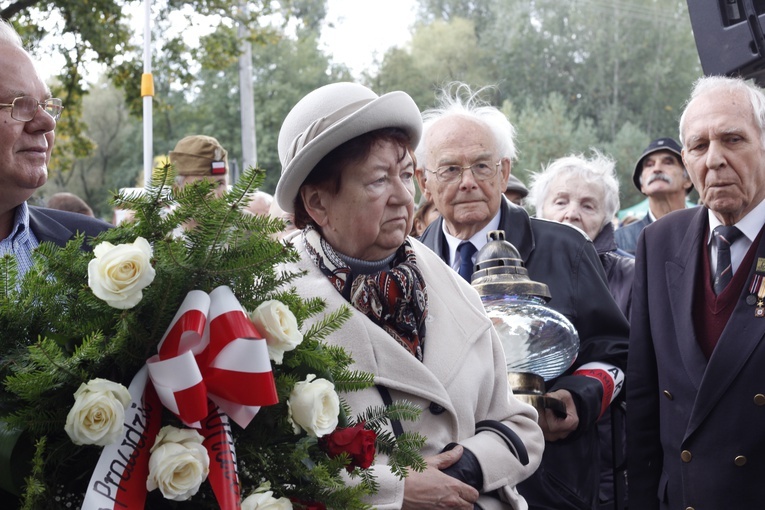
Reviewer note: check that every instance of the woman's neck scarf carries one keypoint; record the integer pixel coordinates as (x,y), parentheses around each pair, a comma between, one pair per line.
(395,299)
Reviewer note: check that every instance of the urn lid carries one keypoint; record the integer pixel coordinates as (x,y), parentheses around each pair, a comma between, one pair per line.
(499,270)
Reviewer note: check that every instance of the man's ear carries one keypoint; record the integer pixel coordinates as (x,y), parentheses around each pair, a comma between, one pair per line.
(505,167)
(422,177)
(313,201)
(688,182)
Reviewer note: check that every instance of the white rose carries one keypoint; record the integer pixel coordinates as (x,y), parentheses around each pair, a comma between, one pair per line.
(263,499)
(117,274)
(279,326)
(313,406)
(98,413)
(178,464)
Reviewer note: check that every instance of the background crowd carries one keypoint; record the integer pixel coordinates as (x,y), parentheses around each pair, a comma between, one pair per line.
(567,80)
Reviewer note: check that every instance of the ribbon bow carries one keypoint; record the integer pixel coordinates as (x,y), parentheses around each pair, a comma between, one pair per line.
(212,350)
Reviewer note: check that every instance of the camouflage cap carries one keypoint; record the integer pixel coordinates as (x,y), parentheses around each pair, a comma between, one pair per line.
(199,155)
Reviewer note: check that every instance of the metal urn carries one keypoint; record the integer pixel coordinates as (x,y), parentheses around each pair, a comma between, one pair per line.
(540,343)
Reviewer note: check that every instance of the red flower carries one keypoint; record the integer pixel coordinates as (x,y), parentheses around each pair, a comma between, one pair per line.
(314,505)
(356,441)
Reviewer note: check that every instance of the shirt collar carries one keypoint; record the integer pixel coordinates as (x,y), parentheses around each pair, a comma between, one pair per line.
(750,225)
(479,239)
(650,215)
(20,225)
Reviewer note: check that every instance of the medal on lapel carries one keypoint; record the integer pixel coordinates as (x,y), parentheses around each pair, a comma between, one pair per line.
(757,294)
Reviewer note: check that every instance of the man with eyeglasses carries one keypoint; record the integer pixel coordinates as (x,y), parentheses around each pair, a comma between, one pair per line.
(464,160)
(28,118)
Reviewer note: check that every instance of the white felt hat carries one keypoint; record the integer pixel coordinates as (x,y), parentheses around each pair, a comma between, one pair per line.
(327,118)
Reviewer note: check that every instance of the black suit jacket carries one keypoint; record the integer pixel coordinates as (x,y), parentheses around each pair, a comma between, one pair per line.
(619,267)
(696,428)
(564,259)
(61,226)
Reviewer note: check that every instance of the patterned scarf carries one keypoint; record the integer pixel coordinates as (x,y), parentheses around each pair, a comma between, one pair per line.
(395,299)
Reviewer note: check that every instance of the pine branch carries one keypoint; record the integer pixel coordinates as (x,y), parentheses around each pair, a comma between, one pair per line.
(330,323)
(346,381)
(9,273)
(35,485)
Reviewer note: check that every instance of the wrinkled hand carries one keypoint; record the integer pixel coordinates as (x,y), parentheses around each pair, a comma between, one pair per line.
(433,489)
(555,428)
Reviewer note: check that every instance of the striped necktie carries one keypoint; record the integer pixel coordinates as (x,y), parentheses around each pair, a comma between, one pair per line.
(724,236)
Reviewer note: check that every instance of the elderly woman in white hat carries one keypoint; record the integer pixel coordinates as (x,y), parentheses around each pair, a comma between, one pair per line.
(347,175)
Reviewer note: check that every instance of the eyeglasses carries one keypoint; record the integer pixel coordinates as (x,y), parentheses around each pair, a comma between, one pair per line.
(451,173)
(25,108)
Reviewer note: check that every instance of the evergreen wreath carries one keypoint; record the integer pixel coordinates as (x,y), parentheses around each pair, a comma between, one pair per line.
(58,337)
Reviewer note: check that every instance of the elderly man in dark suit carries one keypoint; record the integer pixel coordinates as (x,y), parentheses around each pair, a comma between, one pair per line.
(696,392)
(660,175)
(28,117)
(466,151)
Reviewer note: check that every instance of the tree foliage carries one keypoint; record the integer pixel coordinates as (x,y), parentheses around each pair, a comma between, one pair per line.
(615,73)
(604,69)
(546,131)
(113,162)
(196,87)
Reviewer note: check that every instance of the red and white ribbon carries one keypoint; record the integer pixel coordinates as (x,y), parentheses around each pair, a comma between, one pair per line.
(212,350)
(610,376)
(119,479)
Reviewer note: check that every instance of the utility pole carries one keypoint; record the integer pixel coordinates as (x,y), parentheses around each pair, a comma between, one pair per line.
(246,102)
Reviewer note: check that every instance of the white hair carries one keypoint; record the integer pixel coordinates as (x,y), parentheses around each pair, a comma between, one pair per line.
(720,84)
(8,34)
(458,99)
(598,170)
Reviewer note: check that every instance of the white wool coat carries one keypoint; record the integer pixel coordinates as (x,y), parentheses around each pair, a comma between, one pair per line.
(463,371)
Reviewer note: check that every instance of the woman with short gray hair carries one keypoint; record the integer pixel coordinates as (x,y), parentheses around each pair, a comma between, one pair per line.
(584,192)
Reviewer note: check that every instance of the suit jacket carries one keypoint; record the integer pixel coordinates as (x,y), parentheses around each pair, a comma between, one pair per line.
(619,267)
(461,380)
(564,258)
(61,226)
(695,427)
(626,237)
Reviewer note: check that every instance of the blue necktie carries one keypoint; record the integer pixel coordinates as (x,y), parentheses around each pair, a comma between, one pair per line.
(466,250)
(724,237)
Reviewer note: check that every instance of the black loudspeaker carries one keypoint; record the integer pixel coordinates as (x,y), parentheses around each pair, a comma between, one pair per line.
(729,37)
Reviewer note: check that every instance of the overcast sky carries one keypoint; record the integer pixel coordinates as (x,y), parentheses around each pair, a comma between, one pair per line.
(356,33)
(364,29)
